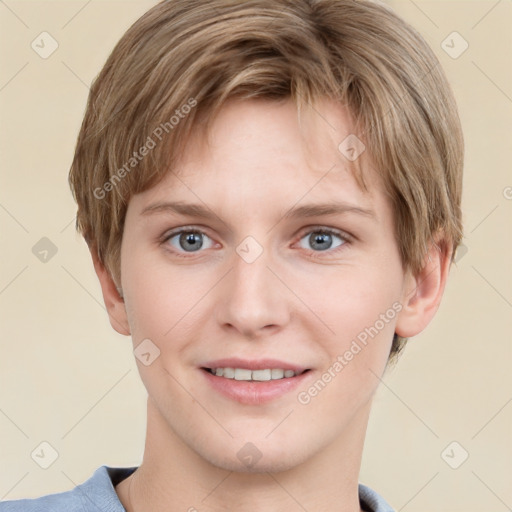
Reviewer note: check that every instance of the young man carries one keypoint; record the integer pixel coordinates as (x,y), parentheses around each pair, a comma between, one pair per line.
(270,190)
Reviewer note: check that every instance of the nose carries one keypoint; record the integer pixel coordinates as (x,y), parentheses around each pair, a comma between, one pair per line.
(253,300)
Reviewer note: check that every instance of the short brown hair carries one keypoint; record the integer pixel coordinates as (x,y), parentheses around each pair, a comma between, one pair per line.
(180,62)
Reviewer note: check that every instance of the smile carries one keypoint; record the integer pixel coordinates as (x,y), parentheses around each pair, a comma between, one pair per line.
(254,375)
(254,387)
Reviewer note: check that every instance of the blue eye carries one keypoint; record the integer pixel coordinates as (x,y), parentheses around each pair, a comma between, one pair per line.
(191,240)
(322,240)
(188,240)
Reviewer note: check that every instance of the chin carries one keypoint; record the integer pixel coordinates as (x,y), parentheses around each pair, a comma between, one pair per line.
(256,457)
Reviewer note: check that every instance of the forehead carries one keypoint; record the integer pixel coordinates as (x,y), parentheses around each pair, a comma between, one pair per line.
(259,152)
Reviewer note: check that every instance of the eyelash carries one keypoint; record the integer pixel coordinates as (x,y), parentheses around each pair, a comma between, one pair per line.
(345,237)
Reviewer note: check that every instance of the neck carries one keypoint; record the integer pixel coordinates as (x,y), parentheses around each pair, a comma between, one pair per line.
(173,477)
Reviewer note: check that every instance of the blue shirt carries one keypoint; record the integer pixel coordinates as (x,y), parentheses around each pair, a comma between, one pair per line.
(99,495)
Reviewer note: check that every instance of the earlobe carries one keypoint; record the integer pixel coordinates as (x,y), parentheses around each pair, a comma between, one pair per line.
(112,296)
(422,293)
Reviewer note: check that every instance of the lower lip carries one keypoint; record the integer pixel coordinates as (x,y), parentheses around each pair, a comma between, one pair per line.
(254,392)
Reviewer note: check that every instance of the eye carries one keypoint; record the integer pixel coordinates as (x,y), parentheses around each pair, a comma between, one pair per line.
(188,240)
(323,239)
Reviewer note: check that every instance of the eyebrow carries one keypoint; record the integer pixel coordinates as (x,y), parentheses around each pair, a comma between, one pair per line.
(316,210)
(307,210)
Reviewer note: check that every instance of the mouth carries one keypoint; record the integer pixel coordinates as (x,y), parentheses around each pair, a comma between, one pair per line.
(254,382)
(260,375)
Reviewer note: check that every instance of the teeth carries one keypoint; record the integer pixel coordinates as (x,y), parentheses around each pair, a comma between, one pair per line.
(229,373)
(241,374)
(277,373)
(257,375)
(261,375)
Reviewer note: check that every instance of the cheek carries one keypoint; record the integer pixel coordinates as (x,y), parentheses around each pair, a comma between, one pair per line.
(359,305)
(161,298)
(353,298)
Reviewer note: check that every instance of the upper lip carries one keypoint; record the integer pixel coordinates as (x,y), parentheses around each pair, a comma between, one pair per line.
(259,364)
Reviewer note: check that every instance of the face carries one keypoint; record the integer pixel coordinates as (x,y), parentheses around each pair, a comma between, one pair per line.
(263,249)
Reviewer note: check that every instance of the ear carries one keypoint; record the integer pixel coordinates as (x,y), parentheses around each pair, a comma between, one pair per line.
(114,302)
(422,293)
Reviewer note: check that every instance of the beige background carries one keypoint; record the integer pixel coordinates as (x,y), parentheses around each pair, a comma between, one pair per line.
(68,379)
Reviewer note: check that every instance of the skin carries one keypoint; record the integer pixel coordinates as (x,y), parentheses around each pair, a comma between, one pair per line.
(295,302)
